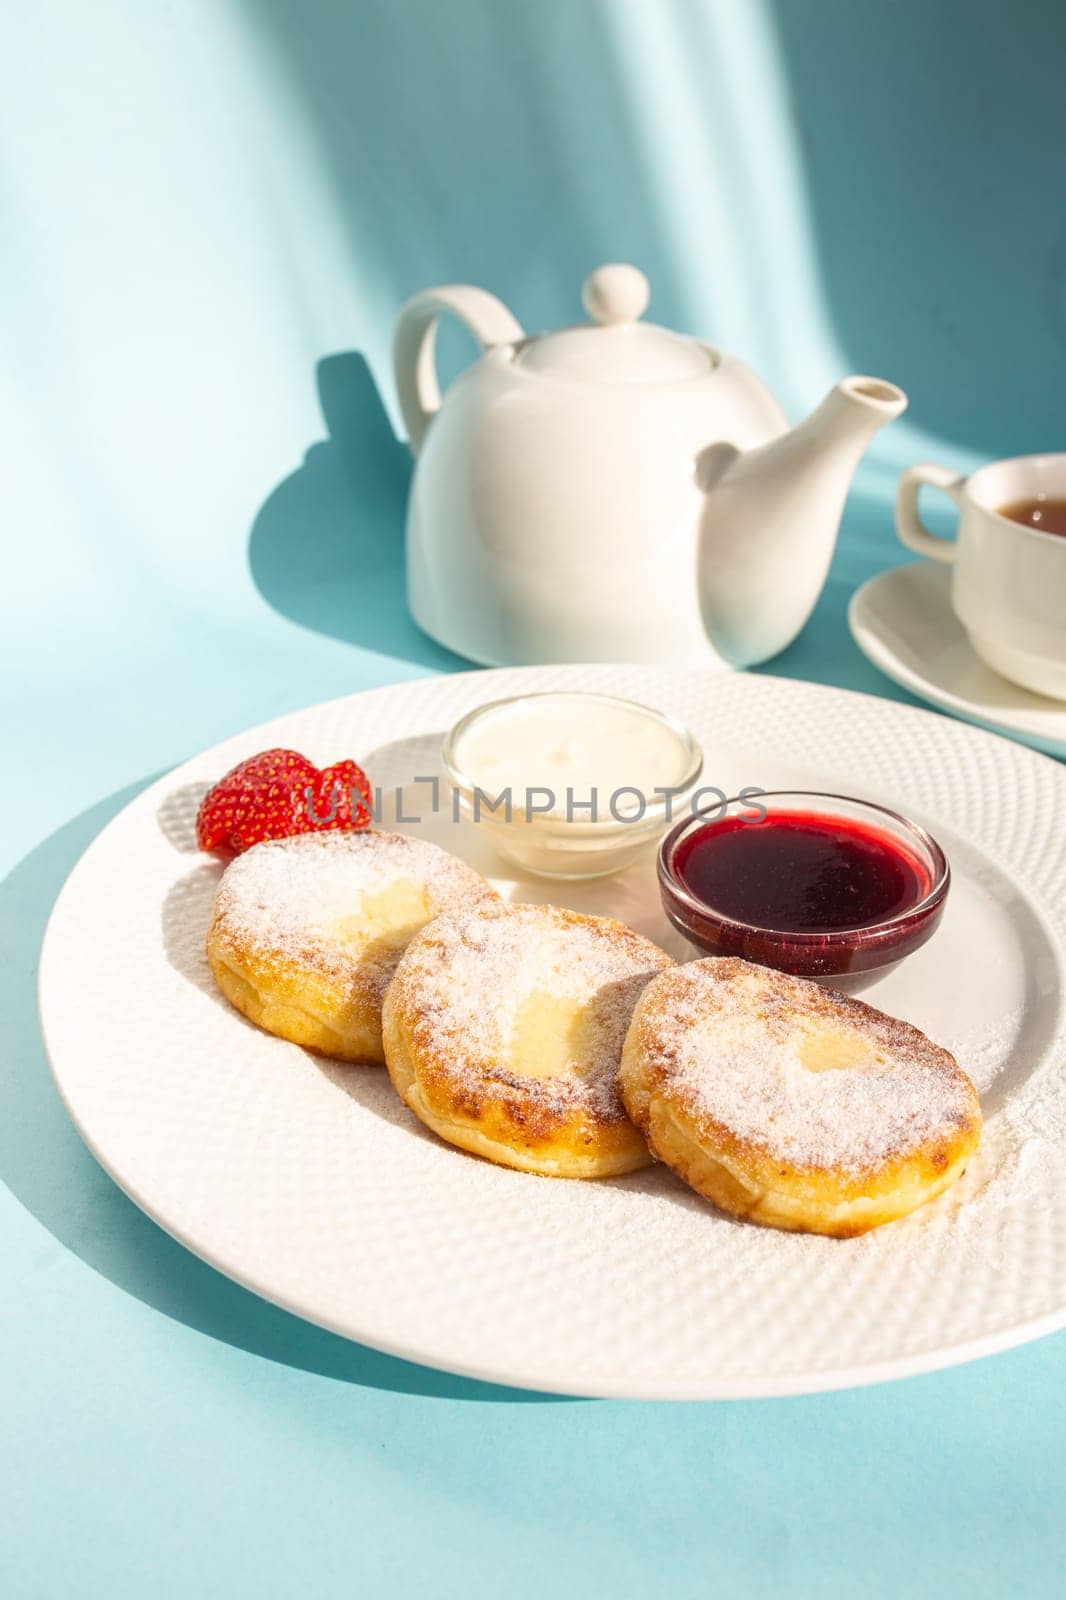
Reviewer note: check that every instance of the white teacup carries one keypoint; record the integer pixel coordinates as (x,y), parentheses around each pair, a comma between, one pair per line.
(1008,584)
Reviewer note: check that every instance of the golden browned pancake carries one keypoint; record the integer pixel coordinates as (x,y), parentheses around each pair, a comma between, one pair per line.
(307,931)
(503,1028)
(790,1104)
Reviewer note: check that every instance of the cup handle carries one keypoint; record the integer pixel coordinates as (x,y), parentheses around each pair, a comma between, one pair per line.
(909,525)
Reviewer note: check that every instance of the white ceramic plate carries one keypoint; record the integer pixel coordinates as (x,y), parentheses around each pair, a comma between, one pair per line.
(902,621)
(309,1183)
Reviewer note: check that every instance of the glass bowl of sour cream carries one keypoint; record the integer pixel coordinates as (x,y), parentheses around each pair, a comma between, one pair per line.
(571,784)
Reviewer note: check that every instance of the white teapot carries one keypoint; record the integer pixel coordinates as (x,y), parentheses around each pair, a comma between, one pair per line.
(615,491)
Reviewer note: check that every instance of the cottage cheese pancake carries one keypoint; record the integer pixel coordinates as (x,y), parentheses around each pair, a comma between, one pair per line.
(791,1105)
(503,1029)
(307,931)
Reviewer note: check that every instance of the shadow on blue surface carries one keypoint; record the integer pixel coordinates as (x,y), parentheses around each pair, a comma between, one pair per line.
(327,547)
(490,142)
(926,185)
(50,1172)
(720,146)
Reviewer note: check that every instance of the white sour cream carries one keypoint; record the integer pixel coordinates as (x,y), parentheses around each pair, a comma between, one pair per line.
(558,750)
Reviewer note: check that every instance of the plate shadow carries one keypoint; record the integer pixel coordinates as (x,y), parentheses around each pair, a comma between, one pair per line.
(51,1173)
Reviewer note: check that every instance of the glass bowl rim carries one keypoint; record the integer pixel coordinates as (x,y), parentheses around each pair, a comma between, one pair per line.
(654,810)
(869,932)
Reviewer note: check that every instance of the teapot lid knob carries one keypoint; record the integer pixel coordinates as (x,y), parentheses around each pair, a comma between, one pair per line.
(615,293)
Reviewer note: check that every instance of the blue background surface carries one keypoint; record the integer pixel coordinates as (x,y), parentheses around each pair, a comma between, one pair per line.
(212,213)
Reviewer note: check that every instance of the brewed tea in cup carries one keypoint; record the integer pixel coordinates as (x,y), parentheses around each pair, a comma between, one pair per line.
(1042,511)
(1008,559)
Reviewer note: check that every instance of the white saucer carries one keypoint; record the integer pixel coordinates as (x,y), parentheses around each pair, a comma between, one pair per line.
(902,621)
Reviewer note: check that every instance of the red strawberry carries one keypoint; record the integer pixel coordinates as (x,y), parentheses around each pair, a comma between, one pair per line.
(337,789)
(279,793)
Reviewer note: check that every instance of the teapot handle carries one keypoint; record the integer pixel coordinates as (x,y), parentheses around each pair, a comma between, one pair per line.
(487,318)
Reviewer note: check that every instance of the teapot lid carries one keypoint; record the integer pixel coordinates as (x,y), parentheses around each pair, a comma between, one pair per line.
(616,347)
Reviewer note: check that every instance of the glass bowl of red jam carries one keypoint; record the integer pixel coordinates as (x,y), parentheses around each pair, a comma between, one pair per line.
(819,885)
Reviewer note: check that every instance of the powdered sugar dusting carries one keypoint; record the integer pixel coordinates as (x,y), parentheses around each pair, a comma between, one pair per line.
(466,981)
(742,1046)
(285,897)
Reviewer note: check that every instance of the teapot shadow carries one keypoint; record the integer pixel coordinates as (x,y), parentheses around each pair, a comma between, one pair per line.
(326,549)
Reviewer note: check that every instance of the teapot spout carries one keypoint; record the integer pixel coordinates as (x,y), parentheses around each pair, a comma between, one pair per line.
(770,519)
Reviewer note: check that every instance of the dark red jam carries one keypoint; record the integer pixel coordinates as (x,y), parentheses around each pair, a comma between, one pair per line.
(800,872)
